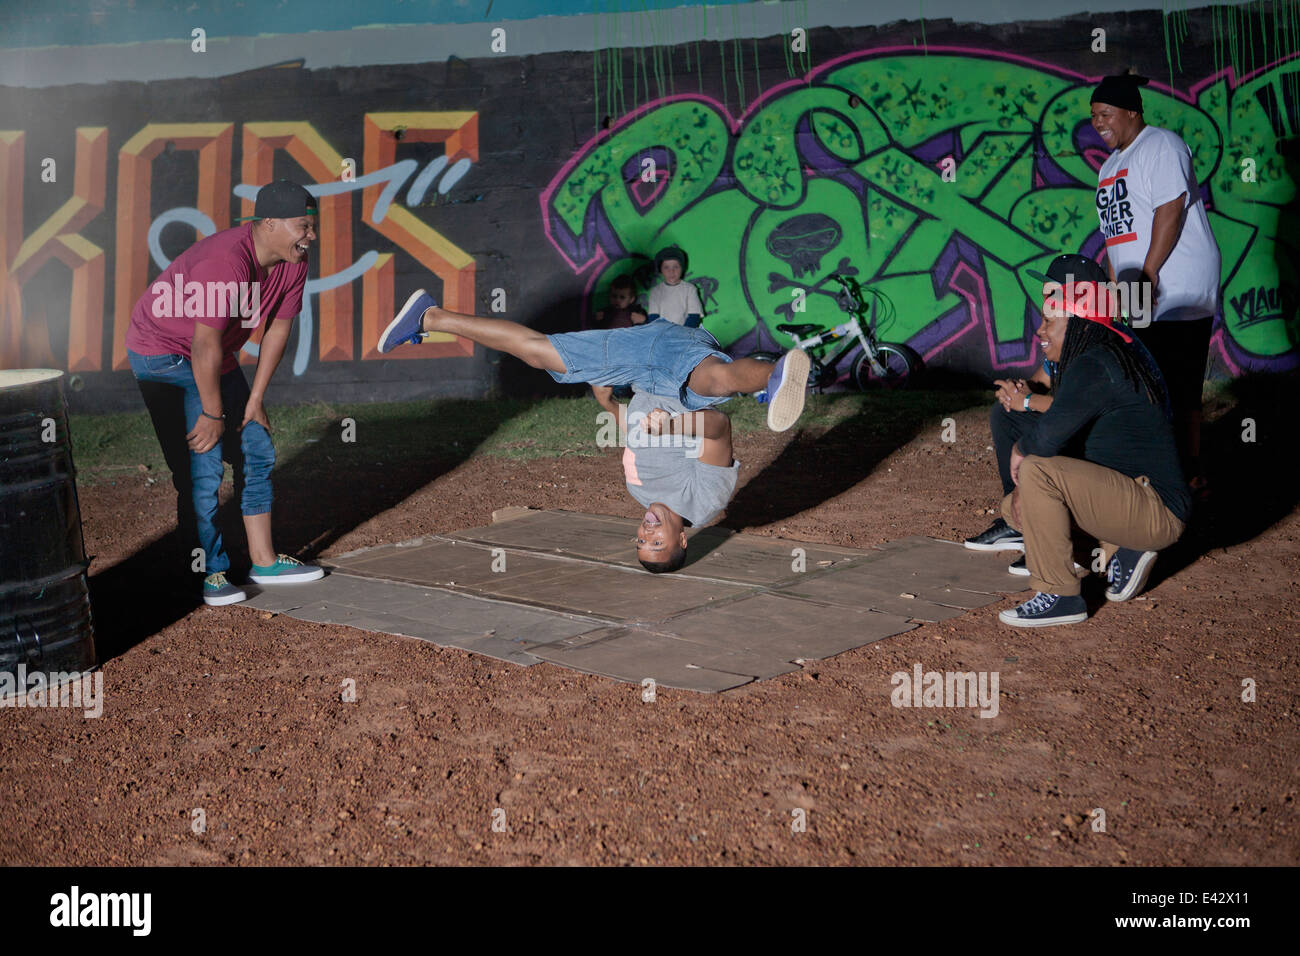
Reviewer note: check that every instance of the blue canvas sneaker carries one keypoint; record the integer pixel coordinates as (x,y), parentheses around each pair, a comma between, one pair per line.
(217,590)
(286,570)
(1046,610)
(408,327)
(1127,573)
(787,387)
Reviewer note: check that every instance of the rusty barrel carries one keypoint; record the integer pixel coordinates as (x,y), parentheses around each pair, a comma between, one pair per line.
(45,620)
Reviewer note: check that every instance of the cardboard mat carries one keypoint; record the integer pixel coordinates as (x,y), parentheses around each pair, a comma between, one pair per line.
(566,588)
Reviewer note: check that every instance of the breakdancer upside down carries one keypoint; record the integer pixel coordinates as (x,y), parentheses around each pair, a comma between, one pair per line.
(678,375)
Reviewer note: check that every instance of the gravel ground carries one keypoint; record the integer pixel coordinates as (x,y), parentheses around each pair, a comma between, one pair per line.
(238,714)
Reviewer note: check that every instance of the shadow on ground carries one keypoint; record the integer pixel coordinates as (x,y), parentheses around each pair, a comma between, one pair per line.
(1248,455)
(322,492)
(822,463)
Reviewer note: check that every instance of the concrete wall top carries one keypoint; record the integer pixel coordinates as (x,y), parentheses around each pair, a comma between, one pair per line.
(152,40)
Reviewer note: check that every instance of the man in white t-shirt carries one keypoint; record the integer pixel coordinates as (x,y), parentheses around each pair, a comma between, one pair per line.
(1153,220)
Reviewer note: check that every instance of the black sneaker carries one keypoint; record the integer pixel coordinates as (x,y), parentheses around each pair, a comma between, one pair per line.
(1127,573)
(1019,567)
(1046,610)
(999,537)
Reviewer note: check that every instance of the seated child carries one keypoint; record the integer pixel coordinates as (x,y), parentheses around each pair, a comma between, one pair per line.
(670,297)
(622,311)
(679,373)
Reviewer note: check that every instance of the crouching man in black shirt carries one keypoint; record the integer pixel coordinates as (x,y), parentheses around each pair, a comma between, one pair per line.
(1127,490)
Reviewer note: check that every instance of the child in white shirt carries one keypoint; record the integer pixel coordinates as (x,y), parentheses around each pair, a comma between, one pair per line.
(672,298)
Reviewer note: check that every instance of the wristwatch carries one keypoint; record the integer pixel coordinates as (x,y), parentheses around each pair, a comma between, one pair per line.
(1027,402)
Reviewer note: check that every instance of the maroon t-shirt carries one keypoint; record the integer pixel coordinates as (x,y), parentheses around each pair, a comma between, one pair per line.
(216,281)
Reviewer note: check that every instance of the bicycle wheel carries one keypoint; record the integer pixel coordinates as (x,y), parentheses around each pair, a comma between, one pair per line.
(900,362)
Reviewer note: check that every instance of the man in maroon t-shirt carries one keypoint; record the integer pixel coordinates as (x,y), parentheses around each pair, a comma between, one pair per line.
(183,343)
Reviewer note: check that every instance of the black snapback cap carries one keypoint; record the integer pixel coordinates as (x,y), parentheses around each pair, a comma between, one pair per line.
(1071,267)
(283,199)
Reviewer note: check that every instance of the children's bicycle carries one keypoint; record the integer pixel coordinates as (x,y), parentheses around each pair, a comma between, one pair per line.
(878,364)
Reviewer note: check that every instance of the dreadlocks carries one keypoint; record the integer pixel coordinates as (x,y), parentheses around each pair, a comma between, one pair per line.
(1082,335)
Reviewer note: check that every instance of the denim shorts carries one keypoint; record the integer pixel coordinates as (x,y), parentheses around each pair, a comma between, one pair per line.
(657,357)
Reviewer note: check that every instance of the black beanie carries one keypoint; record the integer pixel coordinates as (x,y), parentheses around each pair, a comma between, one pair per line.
(1121,91)
(670,252)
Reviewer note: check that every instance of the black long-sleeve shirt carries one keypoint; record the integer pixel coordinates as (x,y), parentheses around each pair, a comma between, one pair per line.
(1119,428)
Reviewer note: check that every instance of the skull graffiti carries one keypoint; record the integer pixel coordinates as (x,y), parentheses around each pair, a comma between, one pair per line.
(803,240)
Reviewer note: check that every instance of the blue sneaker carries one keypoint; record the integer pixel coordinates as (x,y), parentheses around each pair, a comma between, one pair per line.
(408,327)
(218,591)
(786,387)
(286,570)
(1046,610)
(1127,573)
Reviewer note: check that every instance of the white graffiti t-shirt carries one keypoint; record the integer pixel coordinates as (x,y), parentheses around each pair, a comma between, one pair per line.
(1154,169)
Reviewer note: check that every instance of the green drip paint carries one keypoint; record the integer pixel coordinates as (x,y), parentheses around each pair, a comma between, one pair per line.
(1249,30)
(699,60)
(645,70)
(736,54)
(595,66)
(785,43)
(670,50)
(807,47)
(649,19)
(1164,23)
(722,70)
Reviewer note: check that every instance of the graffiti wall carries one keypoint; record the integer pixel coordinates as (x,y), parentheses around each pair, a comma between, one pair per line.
(936,178)
(934,174)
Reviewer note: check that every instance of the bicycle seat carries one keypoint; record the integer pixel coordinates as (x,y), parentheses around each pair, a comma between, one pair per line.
(799,330)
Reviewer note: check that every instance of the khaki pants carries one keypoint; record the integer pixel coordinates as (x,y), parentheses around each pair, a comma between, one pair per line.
(1119,511)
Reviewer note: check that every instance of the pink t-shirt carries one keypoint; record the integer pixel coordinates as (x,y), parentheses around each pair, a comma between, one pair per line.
(216,281)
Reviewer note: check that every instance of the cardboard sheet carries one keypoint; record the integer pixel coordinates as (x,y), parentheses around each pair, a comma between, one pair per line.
(565,587)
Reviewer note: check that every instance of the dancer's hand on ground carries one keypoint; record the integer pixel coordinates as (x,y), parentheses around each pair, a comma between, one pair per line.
(207,432)
(254,412)
(657,422)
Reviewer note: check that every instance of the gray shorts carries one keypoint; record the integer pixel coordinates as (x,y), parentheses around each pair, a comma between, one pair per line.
(657,357)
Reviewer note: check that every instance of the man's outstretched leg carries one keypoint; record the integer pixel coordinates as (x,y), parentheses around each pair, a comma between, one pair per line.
(786,383)
(655,352)
(421,314)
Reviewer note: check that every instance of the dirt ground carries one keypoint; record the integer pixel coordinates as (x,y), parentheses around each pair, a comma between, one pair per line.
(1138,712)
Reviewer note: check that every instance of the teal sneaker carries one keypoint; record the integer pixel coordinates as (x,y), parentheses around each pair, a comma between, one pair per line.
(217,590)
(286,570)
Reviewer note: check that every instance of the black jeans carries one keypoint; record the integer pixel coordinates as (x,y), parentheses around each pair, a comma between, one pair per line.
(1181,349)
(1007,427)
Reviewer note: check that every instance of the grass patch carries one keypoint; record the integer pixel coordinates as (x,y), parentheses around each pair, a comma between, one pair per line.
(106,446)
